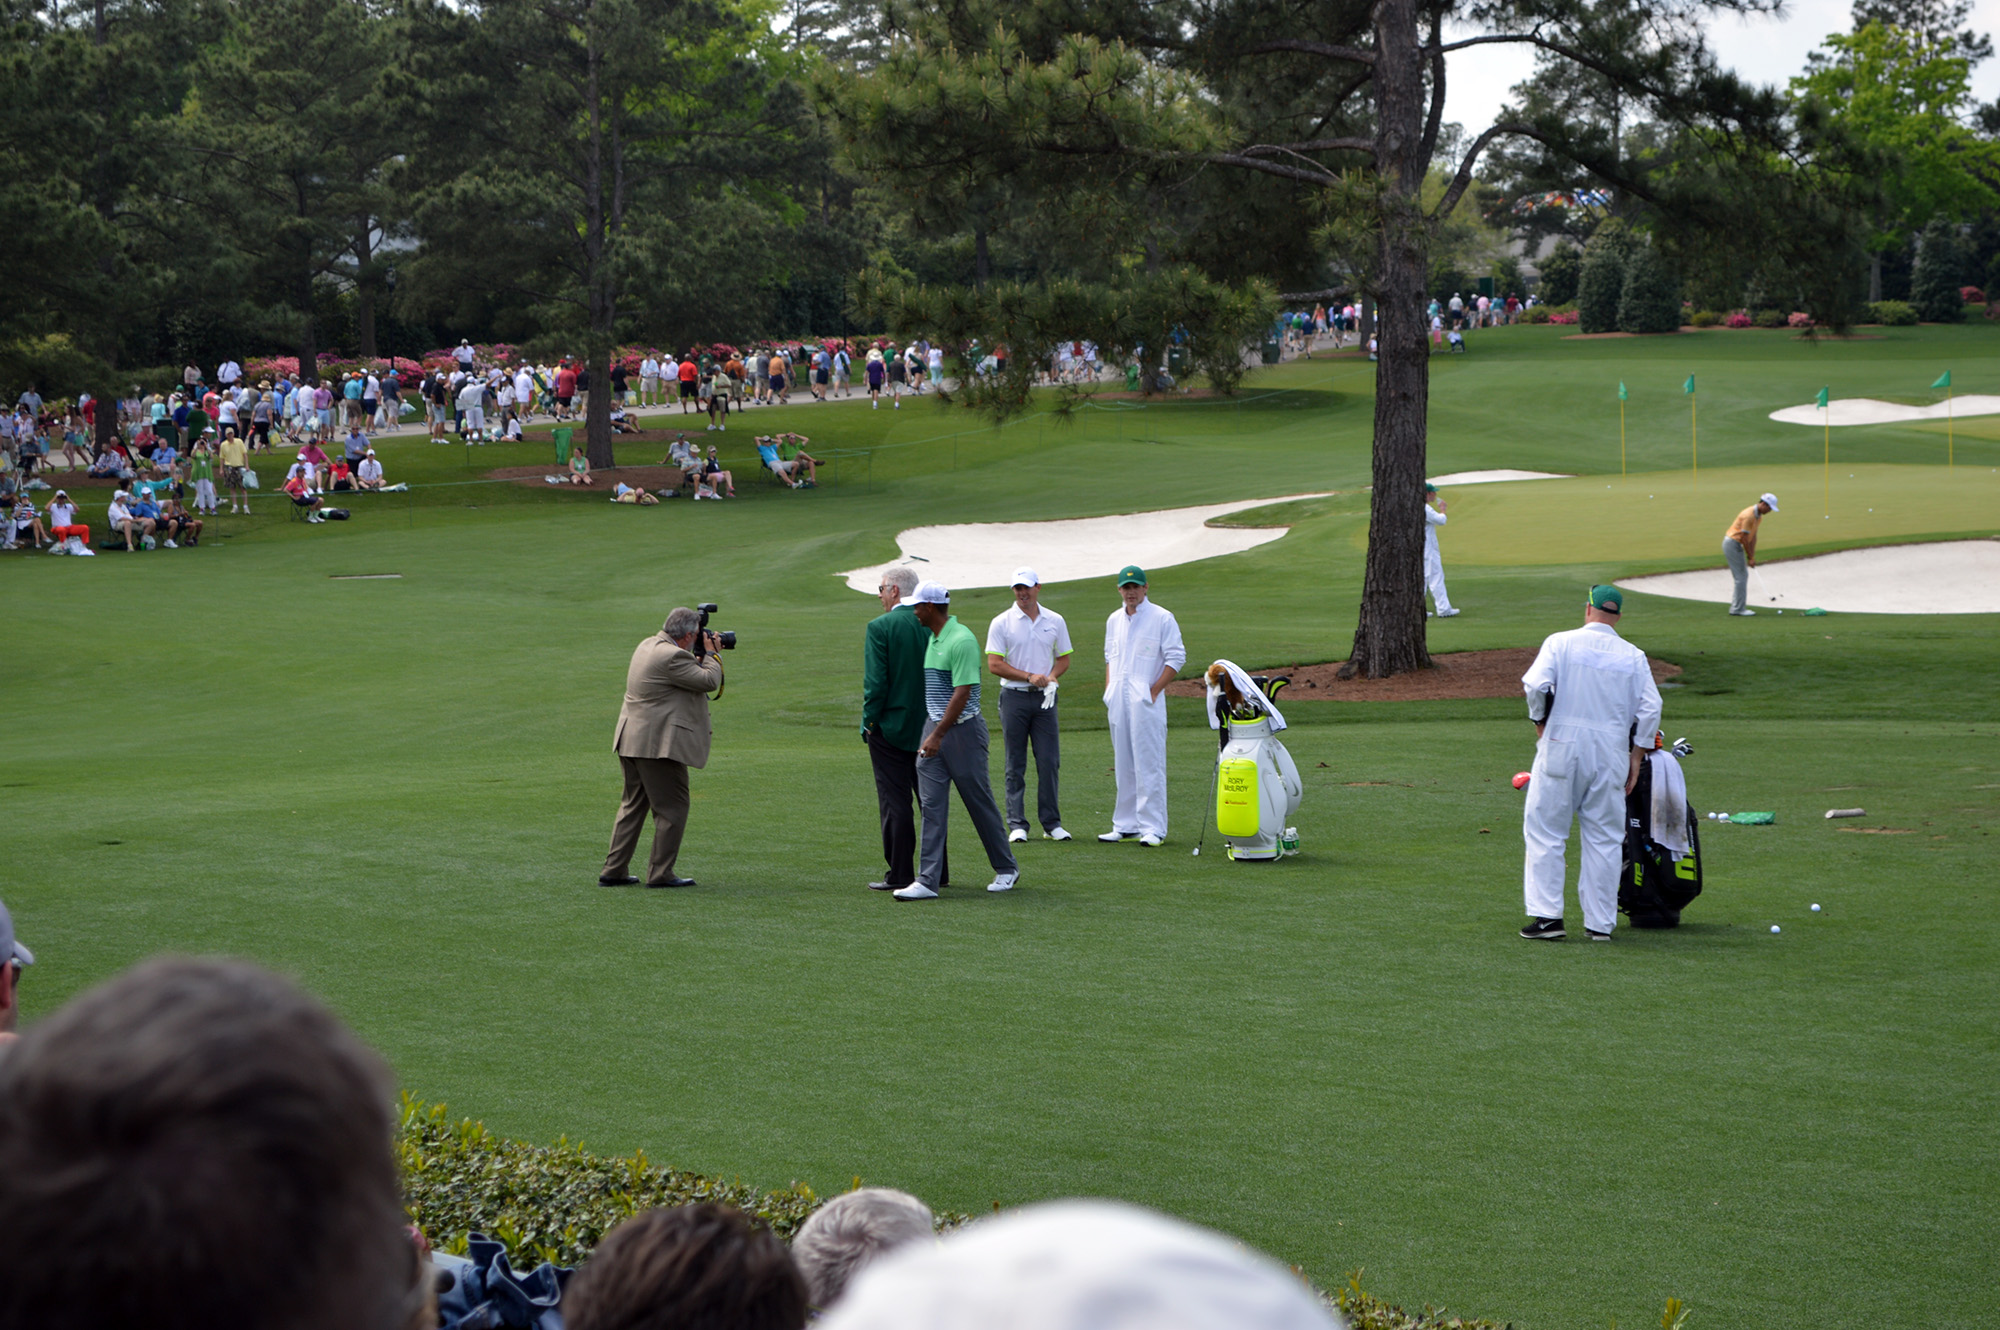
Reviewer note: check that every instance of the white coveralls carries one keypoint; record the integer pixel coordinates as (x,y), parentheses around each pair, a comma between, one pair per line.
(1604,694)
(1433,565)
(1137,647)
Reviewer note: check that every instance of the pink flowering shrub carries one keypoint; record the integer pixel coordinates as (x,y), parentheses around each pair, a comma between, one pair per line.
(1972,295)
(272,368)
(1800,319)
(1738,318)
(1564,316)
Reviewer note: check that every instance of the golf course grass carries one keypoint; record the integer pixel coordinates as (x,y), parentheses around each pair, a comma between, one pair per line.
(399,789)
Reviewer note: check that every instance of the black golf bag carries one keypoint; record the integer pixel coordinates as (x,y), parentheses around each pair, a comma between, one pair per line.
(1655,887)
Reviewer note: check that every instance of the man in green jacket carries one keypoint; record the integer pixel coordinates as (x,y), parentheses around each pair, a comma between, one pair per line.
(892,719)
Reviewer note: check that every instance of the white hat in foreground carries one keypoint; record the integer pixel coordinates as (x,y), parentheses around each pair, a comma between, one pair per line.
(930,593)
(1770,499)
(1025,577)
(1079,1265)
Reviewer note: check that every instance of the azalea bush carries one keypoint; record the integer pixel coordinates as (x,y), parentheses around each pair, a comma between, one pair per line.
(1972,295)
(1800,319)
(1738,318)
(1563,316)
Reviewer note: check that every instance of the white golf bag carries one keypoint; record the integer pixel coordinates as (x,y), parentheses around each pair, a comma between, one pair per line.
(1257,788)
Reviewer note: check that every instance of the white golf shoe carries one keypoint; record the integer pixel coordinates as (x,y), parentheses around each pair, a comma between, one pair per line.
(916,891)
(1058,834)
(1111,837)
(1150,840)
(1018,836)
(1004,881)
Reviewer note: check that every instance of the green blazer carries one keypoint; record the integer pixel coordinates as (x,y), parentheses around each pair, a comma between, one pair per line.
(892,678)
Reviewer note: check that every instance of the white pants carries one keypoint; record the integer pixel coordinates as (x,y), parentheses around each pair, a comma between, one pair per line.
(204,495)
(1578,773)
(475,418)
(1434,581)
(1138,757)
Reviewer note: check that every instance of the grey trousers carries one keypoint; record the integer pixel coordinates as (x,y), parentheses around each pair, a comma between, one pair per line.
(657,785)
(1023,720)
(1738,569)
(961,761)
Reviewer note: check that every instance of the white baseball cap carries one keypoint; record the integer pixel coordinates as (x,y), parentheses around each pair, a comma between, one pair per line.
(1026,577)
(1771,499)
(1079,1265)
(11,947)
(930,593)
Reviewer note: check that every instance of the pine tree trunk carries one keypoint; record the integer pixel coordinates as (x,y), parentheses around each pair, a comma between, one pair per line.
(1874,278)
(1389,636)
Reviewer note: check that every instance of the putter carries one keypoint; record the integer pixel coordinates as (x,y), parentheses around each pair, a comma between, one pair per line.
(1762,585)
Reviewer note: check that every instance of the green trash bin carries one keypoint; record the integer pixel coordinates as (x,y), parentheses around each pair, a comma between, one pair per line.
(1177,361)
(1131,378)
(1273,351)
(562,438)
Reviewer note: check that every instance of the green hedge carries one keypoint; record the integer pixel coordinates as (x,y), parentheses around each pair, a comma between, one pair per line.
(550,1203)
(1893,313)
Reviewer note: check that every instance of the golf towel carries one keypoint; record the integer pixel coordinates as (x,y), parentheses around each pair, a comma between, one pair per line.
(1249,689)
(1670,797)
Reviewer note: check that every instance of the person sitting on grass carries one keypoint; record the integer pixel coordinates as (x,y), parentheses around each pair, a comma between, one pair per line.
(684,455)
(137,531)
(113,463)
(787,469)
(315,455)
(579,468)
(715,477)
(369,477)
(179,524)
(623,493)
(621,423)
(67,535)
(304,494)
(339,477)
(146,507)
(24,526)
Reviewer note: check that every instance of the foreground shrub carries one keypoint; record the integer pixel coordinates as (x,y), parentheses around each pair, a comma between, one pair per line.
(550,1203)
(1971,295)
(1769,318)
(1893,313)
(1705,318)
(1564,316)
(1366,1313)
(1535,314)
(1738,318)
(1800,319)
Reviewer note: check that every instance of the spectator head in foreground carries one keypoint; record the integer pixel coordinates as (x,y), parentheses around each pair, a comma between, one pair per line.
(13,955)
(197,1143)
(1080,1265)
(850,1231)
(694,1267)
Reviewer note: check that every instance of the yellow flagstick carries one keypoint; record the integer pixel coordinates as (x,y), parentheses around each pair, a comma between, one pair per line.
(1826,464)
(1949,464)
(1621,436)
(1694,433)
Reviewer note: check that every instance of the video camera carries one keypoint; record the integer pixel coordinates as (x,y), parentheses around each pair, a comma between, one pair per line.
(727,641)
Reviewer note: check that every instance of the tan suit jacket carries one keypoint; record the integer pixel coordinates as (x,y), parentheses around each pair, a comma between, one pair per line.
(666,705)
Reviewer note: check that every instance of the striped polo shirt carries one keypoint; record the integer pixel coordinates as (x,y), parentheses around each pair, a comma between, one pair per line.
(951,661)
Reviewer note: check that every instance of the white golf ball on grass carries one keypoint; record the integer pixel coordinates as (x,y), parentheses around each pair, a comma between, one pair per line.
(1775,928)
(1815,907)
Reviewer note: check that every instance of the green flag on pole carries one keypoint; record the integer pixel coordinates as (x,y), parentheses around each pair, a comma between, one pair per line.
(1621,390)
(1821,399)
(1944,380)
(1688,387)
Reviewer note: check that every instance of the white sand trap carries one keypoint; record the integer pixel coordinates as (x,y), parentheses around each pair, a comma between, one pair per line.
(1869,411)
(1490,477)
(983,554)
(1948,577)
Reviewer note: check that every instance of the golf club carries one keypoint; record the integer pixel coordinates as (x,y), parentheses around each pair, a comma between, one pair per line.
(1762,585)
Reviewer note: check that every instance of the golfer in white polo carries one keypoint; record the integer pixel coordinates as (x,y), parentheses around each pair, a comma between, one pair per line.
(1027,650)
(1592,698)
(1142,654)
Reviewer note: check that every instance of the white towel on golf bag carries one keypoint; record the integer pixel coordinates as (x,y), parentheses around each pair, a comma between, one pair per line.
(1248,688)
(1670,804)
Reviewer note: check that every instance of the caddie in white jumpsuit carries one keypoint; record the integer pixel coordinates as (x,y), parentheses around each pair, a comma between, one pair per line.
(1142,654)
(1589,693)
(1433,564)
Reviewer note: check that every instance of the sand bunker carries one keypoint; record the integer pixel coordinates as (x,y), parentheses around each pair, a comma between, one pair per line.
(983,554)
(1869,411)
(1948,577)
(1490,477)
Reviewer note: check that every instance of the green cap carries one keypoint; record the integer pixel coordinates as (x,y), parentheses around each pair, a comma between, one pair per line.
(1608,598)
(1131,575)
(1430,488)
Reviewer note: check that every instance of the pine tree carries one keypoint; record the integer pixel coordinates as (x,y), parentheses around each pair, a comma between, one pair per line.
(1934,288)
(1651,299)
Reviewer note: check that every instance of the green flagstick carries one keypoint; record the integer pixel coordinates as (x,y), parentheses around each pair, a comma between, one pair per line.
(1621,427)
(1694,430)
(1826,464)
(1944,382)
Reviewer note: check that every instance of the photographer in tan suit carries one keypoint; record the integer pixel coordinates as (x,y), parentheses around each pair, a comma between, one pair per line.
(662,731)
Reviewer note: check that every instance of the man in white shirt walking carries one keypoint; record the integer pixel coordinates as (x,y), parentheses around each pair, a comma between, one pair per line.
(1142,654)
(1596,708)
(1028,649)
(1434,517)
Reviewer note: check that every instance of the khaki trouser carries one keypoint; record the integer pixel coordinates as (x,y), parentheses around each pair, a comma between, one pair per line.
(658,784)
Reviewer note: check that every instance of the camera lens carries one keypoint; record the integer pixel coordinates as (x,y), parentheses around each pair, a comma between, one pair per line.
(728,641)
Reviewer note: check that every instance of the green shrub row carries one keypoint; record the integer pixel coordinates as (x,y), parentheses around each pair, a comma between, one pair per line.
(550,1203)
(1894,313)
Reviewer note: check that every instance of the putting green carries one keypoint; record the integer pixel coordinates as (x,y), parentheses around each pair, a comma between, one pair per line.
(1674,516)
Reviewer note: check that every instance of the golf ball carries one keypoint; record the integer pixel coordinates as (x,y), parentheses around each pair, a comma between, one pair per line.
(1781,611)
(1815,907)
(1774,928)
